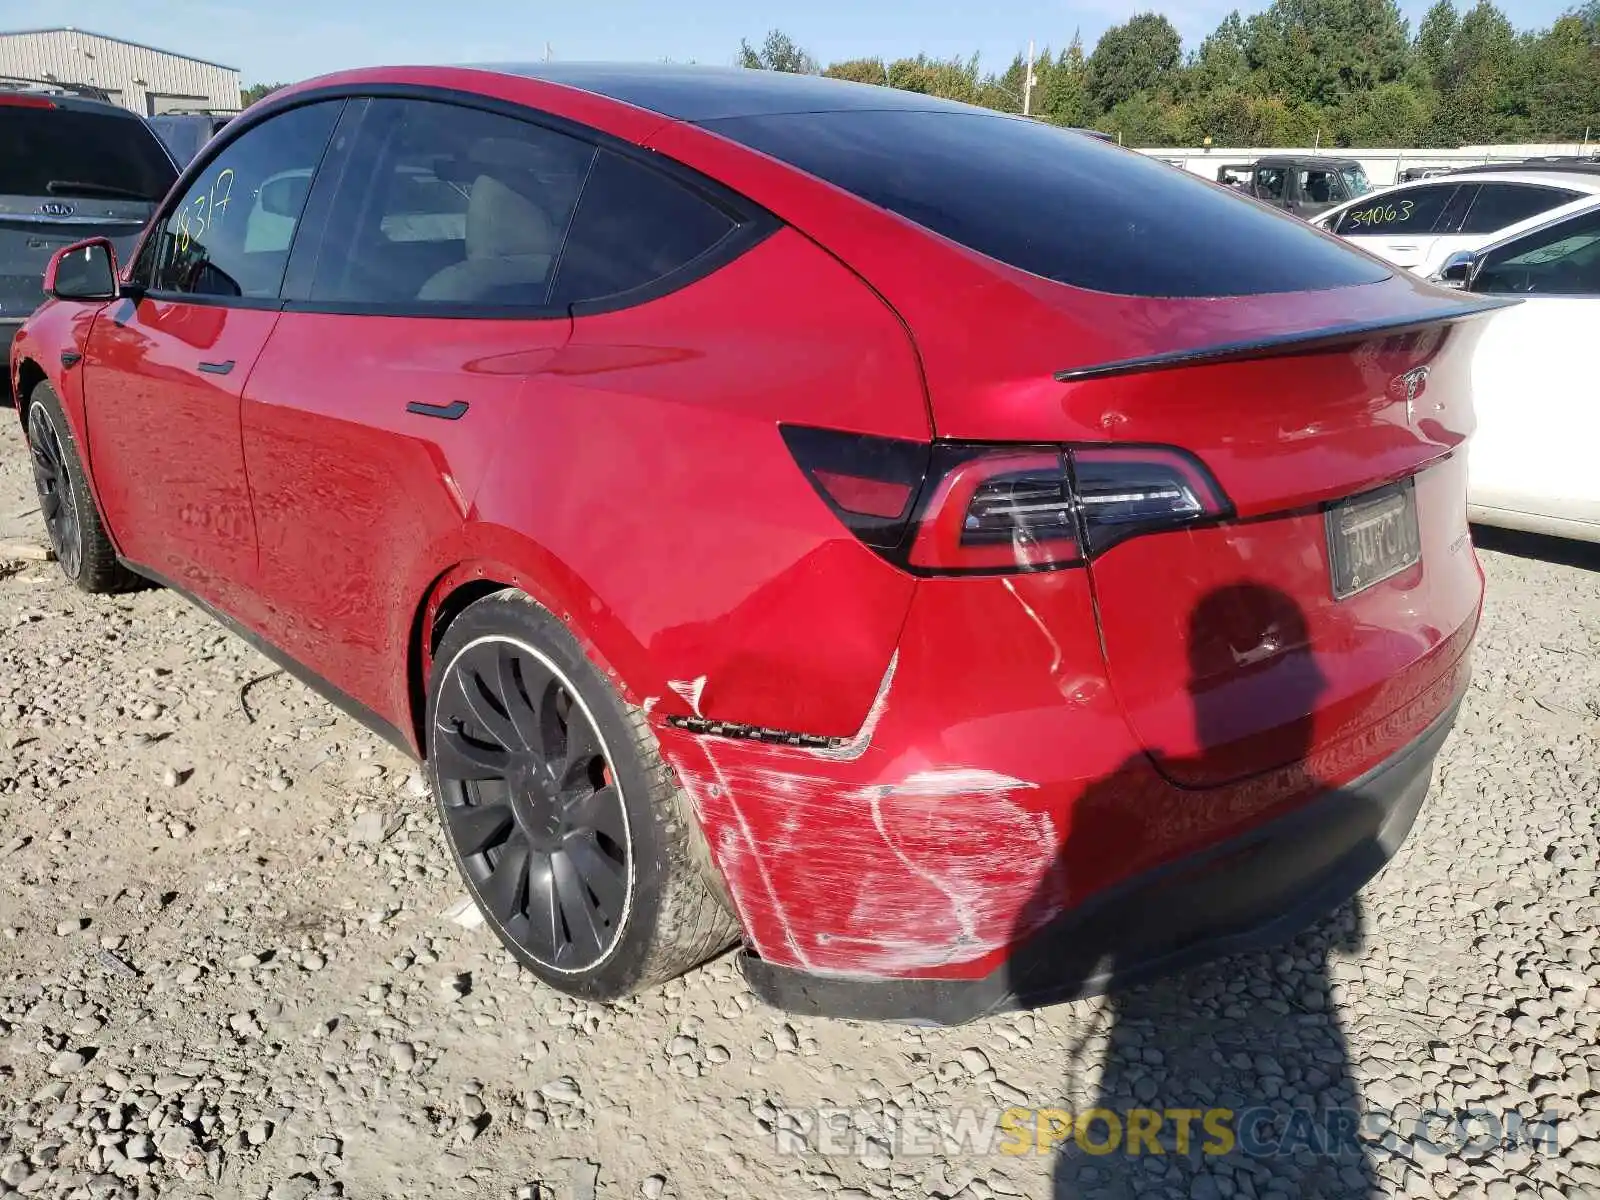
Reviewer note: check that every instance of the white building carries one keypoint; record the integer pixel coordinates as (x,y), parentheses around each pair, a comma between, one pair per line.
(142,78)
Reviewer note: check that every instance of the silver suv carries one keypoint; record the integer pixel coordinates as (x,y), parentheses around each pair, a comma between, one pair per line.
(72,165)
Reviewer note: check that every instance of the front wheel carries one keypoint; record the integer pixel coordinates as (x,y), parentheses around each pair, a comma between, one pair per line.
(72,522)
(566,825)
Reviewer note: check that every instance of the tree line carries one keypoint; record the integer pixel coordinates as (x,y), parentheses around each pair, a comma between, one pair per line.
(1301,72)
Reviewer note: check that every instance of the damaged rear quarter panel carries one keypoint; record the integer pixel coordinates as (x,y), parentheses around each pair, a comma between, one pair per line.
(647,460)
(926,842)
(994,785)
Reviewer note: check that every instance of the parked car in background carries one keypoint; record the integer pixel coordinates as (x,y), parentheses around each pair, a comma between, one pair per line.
(1237,176)
(72,165)
(1532,462)
(1303,184)
(1411,174)
(972,582)
(185,133)
(1420,225)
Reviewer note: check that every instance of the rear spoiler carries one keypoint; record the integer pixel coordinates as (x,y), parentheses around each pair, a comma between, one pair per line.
(1281,344)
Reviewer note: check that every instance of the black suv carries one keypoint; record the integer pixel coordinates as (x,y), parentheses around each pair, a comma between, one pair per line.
(1304,184)
(72,165)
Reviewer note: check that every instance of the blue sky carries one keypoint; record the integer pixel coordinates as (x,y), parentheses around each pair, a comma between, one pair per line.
(291,39)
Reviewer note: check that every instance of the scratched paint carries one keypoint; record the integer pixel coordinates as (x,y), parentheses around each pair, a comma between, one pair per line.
(690,691)
(975,911)
(921,892)
(854,747)
(958,781)
(737,855)
(1055,646)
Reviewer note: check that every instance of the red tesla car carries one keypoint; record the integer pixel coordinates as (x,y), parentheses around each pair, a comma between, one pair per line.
(967,562)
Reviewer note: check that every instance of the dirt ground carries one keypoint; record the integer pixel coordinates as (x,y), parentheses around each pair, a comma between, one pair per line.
(234,963)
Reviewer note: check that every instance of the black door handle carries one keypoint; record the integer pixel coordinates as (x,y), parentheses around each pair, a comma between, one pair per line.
(217,368)
(453,411)
(70,359)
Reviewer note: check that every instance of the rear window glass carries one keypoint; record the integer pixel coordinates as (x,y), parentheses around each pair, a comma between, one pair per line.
(67,152)
(1056,204)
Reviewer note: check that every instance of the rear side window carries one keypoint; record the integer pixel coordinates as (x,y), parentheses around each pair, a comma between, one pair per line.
(229,234)
(1272,183)
(1320,186)
(1449,221)
(448,206)
(1501,204)
(1412,211)
(69,152)
(1059,205)
(633,227)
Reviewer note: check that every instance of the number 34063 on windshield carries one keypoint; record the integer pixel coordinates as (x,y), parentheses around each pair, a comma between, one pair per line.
(1383,214)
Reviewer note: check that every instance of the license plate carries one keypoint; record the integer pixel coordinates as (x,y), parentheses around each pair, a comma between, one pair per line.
(1372,538)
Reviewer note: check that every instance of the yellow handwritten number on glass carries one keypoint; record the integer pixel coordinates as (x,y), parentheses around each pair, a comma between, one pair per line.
(199,204)
(221,192)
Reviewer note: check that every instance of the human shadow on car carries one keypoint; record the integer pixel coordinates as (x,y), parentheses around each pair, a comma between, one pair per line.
(1237,1067)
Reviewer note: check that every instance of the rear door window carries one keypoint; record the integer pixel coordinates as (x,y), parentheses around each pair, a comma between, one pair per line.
(1449,221)
(1320,186)
(634,227)
(1503,204)
(1068,208)
(1272,183)
(446,206)
(67,152)
(1410,212)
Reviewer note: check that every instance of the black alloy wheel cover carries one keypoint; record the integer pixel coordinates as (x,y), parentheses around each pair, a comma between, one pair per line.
(57,502)
(531,804)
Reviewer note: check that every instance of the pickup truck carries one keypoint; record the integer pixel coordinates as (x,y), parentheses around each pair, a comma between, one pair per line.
(1304,184)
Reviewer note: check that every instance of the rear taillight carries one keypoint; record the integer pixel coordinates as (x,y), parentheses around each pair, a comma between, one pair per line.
(14,100)
(1126,491)
(964,508)
(871,483)
(993,509)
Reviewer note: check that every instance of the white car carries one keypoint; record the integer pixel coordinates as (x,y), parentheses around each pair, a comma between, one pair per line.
(1420,225)
(1531,464)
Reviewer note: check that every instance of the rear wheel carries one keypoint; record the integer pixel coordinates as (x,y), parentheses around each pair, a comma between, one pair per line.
(566,825)
(82,547)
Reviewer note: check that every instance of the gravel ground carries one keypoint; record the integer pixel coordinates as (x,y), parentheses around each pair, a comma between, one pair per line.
(233,963)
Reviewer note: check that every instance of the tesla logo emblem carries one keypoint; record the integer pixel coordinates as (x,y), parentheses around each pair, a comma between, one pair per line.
(55,208)
(1415,382)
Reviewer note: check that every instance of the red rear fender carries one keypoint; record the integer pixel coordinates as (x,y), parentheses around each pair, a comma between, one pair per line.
(719,583)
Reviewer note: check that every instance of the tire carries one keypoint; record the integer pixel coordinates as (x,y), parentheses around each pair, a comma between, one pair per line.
(566,825)
(82,547)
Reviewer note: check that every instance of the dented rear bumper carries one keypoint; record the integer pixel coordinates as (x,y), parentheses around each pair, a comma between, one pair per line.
(996,796)
(1249,892)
